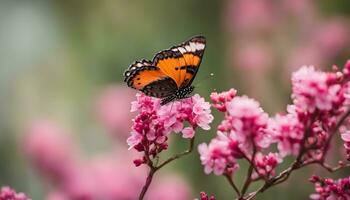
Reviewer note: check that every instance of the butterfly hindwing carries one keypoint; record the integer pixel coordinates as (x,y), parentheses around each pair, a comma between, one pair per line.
(181,62)
(161,88)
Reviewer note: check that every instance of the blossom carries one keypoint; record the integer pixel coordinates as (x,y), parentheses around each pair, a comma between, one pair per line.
(188,132)
(220,99)
(217,157)
(266,164)
(248,121)
(6,193)
(154,123)
(204,196)
(346,138)
(327,188)
(314,89)
(288,131)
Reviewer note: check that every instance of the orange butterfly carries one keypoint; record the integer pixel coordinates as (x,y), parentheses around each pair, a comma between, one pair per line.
(170,74)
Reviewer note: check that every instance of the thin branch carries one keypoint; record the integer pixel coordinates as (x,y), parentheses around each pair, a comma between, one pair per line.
(148,183)
(334,169)
(190,149)
(153,168)
(248,179)
(233,185)
(337,126)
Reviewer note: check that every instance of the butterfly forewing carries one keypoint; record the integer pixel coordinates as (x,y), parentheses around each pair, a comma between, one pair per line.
(181,62)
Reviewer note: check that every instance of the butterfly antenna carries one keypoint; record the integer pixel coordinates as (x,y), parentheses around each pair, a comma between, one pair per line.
(205,78)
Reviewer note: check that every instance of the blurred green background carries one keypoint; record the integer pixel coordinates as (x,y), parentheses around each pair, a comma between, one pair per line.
(57,55)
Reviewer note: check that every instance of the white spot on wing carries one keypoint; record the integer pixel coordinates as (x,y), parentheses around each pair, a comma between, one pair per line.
(188,48)
(200,46)
(182,50)
(193,46)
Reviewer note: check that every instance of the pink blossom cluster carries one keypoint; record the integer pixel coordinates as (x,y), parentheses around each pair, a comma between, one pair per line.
(320,99)
(346,139)
(154,123)
(327,188)
(53,155)
(6,193)
(265,164)
(204,196)
(305,131)
(242,134)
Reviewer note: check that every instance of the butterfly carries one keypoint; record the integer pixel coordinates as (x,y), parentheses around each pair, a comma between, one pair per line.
(170,74)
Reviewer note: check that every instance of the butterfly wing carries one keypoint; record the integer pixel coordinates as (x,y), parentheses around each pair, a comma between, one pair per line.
(181,62)
(144,76)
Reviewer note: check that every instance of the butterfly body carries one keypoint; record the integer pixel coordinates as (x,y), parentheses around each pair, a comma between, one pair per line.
(170,74)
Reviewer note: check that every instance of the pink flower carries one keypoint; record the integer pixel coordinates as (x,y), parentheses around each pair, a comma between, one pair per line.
(248,121)
(346,138)
(216,157)
(346,70)
(144,103)
(314,89)
(329,189)
(267,163)
(154,123)
(50,150)
(188,132)
(220,99)
(134,139)
(204,196)
(288,132)
(6,193)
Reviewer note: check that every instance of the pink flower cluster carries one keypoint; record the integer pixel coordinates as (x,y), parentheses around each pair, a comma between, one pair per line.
(305,131)
(319,98)
(204,196)
(154,123)
(327,188)
(315,89)
(265,164)
(6,193)
(288,131)
(346,139)
(242,134)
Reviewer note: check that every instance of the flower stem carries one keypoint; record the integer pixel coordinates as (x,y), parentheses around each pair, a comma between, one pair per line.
(148,183)
(233,185)
(176,156)
(154,169)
